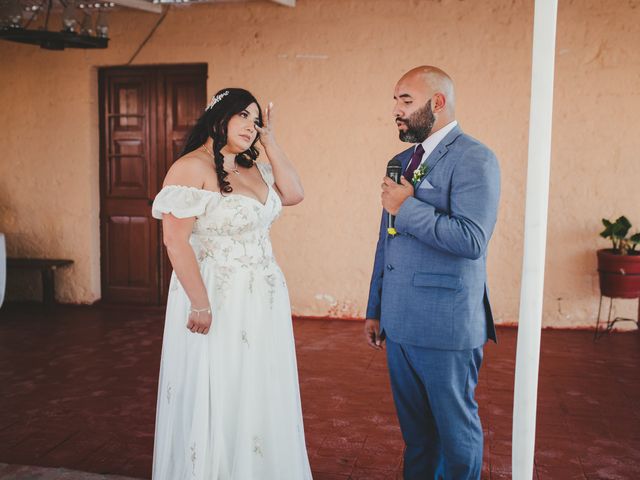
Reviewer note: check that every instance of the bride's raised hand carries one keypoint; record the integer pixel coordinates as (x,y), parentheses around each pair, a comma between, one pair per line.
(267,137)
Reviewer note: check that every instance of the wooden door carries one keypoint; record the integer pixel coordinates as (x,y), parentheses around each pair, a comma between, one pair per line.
(145,114)
(185,97)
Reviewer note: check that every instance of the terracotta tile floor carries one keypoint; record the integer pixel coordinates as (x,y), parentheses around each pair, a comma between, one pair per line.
(78,391)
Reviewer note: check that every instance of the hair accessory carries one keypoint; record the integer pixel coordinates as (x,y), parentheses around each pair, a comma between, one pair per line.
(215,99)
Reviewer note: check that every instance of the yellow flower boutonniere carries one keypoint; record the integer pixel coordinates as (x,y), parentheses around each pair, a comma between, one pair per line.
(419,172)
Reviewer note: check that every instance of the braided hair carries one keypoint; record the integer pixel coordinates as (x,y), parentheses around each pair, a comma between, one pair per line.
(213,124)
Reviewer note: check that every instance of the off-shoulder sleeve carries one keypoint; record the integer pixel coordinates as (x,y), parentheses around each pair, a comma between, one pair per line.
(181,201)
(266,171)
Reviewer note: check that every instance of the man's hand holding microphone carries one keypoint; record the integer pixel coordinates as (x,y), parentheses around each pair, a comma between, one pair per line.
(395,190)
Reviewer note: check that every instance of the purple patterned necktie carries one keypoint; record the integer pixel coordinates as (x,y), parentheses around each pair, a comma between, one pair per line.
(415,161)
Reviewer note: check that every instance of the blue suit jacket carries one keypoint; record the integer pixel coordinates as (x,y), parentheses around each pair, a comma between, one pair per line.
(429,282)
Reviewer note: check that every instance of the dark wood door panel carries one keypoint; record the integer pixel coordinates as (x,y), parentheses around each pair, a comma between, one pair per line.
(129,236)
(128,175)
(185,98)
(127,266)
(129,133)
(145,115)
(128,100)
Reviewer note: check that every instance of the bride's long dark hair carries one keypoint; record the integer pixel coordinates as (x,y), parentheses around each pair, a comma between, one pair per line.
(213,123)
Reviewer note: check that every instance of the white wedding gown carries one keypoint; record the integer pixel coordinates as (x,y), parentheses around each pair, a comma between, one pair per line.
(228,402)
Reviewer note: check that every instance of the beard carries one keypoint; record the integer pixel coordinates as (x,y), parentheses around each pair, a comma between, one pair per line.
(419,125)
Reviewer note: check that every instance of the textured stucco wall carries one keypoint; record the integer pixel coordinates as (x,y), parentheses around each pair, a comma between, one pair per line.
(49,194)
(330,67)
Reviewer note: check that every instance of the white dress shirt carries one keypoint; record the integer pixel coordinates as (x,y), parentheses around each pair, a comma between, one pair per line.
(434,139)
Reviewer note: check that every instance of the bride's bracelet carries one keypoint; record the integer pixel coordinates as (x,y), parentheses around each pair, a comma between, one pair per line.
(198,311)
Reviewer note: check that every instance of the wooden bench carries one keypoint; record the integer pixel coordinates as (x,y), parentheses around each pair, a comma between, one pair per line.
(47,267)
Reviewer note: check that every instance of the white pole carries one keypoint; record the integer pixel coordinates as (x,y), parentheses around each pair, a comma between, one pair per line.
(535,236)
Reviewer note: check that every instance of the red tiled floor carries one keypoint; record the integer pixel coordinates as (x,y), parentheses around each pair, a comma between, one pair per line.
(79,386)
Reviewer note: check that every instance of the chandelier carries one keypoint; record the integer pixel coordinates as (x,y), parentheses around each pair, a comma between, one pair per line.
(84,24)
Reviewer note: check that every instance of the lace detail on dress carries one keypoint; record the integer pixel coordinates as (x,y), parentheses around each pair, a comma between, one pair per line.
(257,446)
(194,457)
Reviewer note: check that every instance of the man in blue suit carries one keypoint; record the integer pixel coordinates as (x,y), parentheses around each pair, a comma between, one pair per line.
(428,297)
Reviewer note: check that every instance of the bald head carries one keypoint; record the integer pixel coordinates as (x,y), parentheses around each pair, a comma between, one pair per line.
(434,80)
(426,92)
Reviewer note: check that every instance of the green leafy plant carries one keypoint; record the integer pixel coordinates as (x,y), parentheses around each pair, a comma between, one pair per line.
(617,232)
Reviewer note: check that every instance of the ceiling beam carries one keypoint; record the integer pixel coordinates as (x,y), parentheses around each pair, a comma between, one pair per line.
(140,5)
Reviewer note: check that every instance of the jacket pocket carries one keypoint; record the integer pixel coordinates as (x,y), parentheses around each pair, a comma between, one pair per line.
(433,196)
(433,300)
(436,280)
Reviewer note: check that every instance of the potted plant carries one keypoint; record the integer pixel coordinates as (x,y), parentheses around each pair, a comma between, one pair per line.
(619,267)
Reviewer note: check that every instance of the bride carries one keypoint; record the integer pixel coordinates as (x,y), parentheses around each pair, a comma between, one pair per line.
(228,398)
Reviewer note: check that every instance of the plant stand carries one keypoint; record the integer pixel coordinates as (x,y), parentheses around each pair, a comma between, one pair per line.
(610,323)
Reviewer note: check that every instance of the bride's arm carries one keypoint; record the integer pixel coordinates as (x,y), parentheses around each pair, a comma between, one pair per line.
(287,181)
(176,233)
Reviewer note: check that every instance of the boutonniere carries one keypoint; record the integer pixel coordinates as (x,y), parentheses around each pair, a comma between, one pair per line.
(419,172)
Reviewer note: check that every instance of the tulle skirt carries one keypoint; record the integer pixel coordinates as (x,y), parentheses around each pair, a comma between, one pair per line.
(228,402)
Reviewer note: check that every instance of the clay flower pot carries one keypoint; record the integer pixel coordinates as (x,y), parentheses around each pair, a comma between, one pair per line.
(619,274)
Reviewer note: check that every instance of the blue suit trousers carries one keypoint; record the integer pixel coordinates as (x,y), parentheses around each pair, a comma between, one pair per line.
(434,392)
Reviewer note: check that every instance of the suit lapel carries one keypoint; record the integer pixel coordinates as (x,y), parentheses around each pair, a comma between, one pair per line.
(404,157)
(439,152)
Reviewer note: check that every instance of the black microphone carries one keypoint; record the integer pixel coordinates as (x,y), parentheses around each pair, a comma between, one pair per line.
(394,172)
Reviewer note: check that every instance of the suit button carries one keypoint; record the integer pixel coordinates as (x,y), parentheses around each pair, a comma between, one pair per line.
(389,267)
